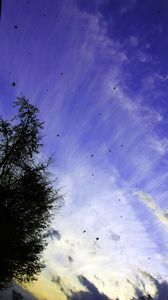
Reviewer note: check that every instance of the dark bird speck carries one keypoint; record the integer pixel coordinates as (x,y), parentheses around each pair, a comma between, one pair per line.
(92,174)
(92,155)
(70,259)
(58,135)
(97,238)
(62,73)
(16,27)
(84,231)
(13,84)
(109,150)
(122,145)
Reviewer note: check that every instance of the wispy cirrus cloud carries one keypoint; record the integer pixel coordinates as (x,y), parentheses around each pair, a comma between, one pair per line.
(122,114)
(94,90)
(161,214)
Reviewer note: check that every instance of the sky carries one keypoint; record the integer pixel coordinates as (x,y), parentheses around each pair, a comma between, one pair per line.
(98,72)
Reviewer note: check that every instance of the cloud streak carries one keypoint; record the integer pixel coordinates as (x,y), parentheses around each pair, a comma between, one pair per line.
(93,80)
(162,215)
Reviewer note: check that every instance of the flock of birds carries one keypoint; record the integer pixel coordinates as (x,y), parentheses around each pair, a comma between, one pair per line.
(13,84)
(44,15)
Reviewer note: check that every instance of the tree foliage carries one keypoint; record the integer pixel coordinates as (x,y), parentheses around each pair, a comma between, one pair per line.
(27,196)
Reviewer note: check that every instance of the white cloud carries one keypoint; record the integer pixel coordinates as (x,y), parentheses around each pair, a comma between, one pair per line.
(97,210)
(96,207)
(162,215)
(160,145)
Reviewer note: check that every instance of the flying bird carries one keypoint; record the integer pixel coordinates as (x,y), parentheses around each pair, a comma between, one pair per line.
(16,27)
(70,259)
(13,84)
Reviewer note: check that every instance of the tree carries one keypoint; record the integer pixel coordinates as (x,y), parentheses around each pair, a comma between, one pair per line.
(27,196)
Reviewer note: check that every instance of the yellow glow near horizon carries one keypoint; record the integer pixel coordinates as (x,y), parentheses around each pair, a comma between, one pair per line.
(44,289)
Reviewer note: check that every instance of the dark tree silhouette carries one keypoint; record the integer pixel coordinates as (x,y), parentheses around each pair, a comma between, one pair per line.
(27,196)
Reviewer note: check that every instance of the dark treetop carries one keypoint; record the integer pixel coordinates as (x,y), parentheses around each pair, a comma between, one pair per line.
(27,196)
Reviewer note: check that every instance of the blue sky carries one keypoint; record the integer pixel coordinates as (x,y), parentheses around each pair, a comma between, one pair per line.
(98,72)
